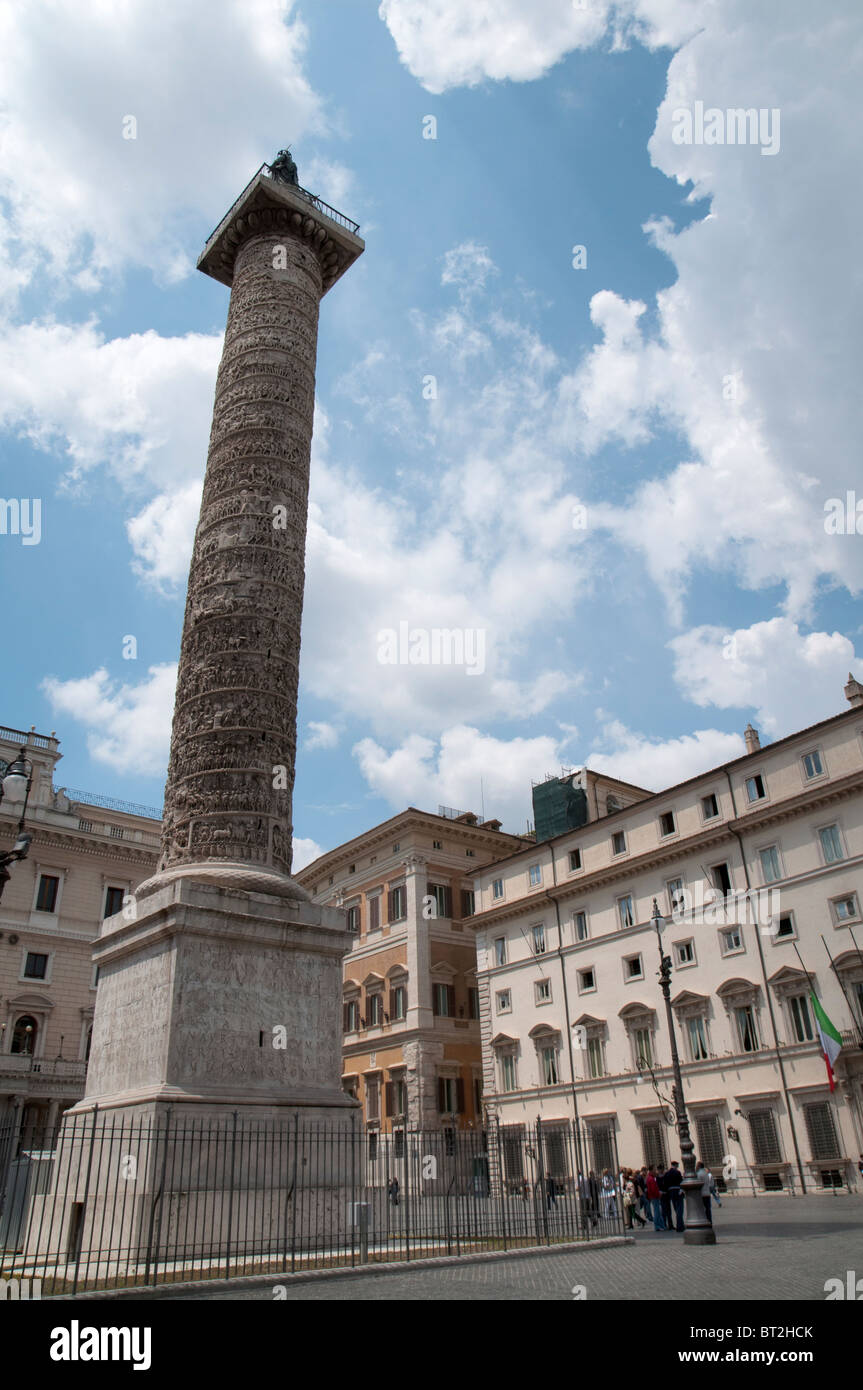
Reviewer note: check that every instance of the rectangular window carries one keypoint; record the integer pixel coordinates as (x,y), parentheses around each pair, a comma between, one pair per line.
(721,878)
(504,1001)
(373,1098)
(666,823)
(396,1097)
(473,1003)
(831,845)
(114,900)
(770,864)
(755,787)
(602,1148)
(765,1139)
(676,895)
(549,1066)
(786,926)
(513,1147)
(618,842)
(709,806)
(507,1072)
(642,1042)
(534,875)
(46,898)
(586,981)
(554,1144)
(711,1145)
(801,1021)
(746,1033)
(812,764)
(497,889)
(579,925)
(685,951)
(450,1098)
(574,860)
(539,941)
(595,1058)
(468,904)
(442,895)
(632,968)
(375,1009)
(437,844)
(352,1016)
(846,908)
(543,991)
(398,1002)
(697,1033)
(469,854)
(36,965)
(625,911)
(444,1001)
(821,1129)
(397,904)
(500,950)
(653,1142)
(731,940)
(354,918)
(374,906)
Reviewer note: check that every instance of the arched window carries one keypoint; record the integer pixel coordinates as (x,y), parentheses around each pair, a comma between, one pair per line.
(24,1035)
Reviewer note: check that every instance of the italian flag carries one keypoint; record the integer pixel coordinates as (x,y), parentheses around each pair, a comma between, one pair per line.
(831,1042)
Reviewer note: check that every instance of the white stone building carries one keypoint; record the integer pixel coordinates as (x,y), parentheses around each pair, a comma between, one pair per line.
(573,1022)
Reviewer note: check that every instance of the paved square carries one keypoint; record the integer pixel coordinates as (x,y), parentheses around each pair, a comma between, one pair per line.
(767,1248)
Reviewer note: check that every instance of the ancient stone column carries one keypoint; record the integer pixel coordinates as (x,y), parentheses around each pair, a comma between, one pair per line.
(233,745)
(220,947)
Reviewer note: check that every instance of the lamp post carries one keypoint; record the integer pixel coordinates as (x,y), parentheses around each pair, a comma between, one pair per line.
(17,780)
(697,1229)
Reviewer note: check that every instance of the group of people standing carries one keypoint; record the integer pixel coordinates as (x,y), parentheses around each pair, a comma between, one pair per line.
(651,1195)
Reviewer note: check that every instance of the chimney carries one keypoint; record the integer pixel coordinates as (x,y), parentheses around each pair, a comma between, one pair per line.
(753,742)
(853,691)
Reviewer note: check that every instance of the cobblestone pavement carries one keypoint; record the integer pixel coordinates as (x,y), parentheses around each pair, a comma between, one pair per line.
(767,1248)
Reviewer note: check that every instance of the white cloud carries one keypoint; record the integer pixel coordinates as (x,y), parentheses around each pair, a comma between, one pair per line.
(792,679)
(322,735)
(468,267)
(130,725)
(162,535)
(305,852)
(82,199)
(657,763)
(462,769)
(139,406)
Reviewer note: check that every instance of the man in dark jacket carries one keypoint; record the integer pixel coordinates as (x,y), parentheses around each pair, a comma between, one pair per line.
(671,1187)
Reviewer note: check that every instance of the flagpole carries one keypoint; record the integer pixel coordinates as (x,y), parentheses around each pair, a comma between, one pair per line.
(845,992)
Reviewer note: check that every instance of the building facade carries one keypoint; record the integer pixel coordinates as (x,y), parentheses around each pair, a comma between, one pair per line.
(757,869)
(88,853)
(410,1009)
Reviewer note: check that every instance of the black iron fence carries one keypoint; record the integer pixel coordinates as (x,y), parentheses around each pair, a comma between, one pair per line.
(105,1202)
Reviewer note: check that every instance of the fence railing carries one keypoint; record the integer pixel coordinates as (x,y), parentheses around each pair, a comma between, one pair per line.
(108,1202)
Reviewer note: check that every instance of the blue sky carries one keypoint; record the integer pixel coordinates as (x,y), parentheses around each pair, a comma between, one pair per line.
(694,388)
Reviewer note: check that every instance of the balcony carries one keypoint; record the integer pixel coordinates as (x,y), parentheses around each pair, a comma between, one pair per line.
(850,1039)
(11,1064)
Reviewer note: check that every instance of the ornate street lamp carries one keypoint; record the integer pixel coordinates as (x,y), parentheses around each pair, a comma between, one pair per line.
(697,1229)
(16,782)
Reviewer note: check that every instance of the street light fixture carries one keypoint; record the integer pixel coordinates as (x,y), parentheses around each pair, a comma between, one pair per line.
(697,1229)
(16,782)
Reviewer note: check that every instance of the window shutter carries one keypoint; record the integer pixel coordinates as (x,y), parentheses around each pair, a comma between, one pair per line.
(391,904)
(447,902)
(459,1096)
(450,1001)
(441,1095)
(390,1093)
(345,1018)
(435,1000)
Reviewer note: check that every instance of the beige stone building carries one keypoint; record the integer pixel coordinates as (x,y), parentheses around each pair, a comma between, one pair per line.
(411,1029)
(757,867)
(88,853)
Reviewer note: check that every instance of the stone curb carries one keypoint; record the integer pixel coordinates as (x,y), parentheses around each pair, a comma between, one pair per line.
(263,1281)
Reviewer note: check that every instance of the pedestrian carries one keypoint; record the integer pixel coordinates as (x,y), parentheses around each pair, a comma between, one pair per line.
(664,1197)
(393,1191)
(630,1202)
(713,1192)
(609,1197)
(593,1197)
(654,1197)
(640,1180)
(673,1180)
(550,1193)
(703,1175)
